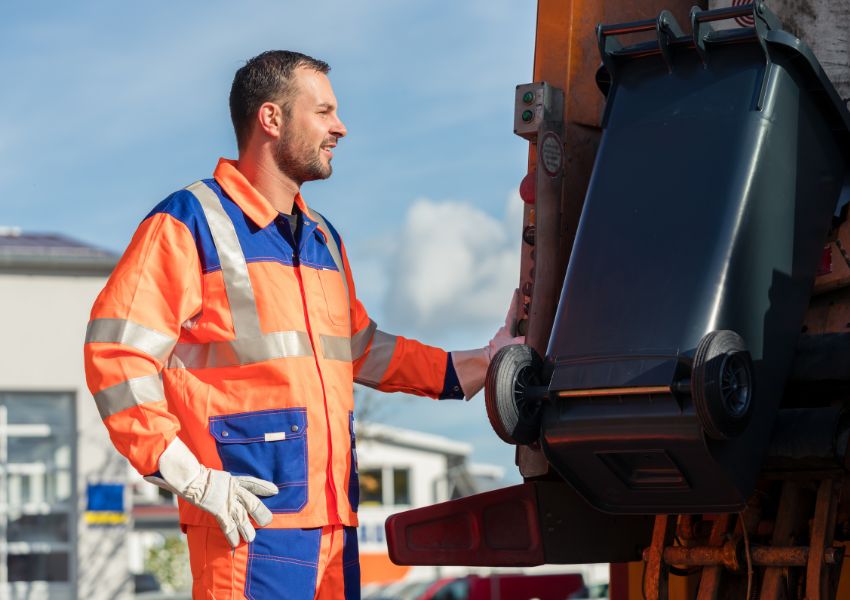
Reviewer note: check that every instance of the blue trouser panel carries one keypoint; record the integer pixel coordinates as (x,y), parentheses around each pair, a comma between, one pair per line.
(283,563)
(351,563)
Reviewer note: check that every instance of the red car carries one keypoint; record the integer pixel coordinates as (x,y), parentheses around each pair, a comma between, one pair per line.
(505,587)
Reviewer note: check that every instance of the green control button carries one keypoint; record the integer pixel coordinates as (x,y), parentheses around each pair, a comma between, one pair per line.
(527,115)
(528,97)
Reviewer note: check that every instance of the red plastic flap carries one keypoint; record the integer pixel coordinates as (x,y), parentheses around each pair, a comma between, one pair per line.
(498,528)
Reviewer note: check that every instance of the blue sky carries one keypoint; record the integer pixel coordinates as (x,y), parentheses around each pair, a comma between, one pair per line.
(108,107)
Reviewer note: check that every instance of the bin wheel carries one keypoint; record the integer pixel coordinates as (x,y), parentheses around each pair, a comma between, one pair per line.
(515,418)
(722,384)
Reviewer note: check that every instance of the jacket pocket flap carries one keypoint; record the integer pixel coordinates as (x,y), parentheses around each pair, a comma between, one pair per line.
(260,426)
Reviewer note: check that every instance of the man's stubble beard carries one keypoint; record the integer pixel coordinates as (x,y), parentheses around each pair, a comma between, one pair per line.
(300,162)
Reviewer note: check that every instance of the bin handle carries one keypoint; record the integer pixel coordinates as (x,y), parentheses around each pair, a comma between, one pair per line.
(665,26)
(721,14)
(763,22)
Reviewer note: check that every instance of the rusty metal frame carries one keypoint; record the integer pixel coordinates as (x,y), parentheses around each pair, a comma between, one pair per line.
(823,528)
(775,580)
(655,573)
(709,584)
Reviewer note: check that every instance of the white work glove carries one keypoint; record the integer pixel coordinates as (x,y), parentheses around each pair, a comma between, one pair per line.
(230,499)
(471,365)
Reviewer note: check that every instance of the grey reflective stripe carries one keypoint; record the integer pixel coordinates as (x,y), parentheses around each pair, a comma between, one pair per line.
(234,269)
(334,250)
(128,394)
(128,333)
(378,360)
(336,347)
(360,340)
(279,344)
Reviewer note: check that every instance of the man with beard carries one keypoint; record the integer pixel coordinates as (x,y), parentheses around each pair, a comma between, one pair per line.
(223,350)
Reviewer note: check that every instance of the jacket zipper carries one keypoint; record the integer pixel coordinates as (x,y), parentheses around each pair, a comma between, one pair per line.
(329,470)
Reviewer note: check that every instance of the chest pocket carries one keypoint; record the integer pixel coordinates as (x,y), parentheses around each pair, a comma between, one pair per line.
(334,283)
(336,296)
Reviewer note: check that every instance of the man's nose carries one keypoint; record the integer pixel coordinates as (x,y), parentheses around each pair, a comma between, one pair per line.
(338,128)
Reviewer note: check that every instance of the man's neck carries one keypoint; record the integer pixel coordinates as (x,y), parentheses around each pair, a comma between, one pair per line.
(264,175)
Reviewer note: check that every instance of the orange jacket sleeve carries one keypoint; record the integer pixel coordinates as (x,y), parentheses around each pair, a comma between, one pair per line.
(393,363)
(134,325)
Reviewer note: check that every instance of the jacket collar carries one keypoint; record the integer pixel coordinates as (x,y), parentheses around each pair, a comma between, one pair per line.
(248,199)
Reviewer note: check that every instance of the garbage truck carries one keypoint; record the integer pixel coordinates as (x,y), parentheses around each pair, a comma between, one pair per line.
(680,406)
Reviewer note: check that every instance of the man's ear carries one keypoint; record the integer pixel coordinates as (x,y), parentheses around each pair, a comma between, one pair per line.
(270,119)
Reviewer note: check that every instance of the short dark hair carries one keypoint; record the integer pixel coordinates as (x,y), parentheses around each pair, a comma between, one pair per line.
(265,78)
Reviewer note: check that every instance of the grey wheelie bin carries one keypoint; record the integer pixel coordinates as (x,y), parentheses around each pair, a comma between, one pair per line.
(723,157)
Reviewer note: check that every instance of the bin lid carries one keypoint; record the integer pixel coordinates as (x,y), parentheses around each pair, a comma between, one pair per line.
(776,41)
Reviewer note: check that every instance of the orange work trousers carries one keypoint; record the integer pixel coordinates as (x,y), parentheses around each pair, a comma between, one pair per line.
(292,564)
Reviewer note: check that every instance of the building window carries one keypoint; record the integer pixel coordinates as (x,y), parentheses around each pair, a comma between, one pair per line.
(401,486)
(384,486)
(371,487)
(36,486)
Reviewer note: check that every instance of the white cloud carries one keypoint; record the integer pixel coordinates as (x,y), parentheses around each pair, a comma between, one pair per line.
(454,269)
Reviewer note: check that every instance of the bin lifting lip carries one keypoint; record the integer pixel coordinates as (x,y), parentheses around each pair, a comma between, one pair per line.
(768,32)
(617,391)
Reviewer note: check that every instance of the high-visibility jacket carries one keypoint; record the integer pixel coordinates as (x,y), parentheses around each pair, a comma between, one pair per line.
(216,328)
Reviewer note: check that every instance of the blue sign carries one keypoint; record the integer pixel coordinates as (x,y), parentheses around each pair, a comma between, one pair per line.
(105,504)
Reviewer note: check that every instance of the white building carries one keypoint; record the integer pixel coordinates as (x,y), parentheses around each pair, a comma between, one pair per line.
(401,469)
(55,454)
